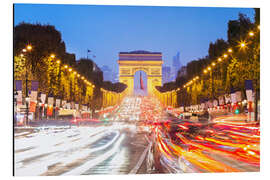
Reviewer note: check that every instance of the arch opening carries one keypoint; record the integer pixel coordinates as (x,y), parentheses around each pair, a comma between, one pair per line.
(140,83)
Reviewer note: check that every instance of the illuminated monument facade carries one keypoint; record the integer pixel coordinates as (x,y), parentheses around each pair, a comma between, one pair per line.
(149,62)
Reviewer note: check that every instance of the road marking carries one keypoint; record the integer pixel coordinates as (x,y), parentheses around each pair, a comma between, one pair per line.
(139,163)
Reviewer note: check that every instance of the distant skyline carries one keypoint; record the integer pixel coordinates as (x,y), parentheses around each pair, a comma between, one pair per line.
(107,30)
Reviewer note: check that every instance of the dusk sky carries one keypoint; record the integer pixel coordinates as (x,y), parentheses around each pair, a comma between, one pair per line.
(108,30)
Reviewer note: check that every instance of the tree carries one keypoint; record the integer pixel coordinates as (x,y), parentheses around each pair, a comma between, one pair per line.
(243,64)
(45,40)
(217,48)
(237,29)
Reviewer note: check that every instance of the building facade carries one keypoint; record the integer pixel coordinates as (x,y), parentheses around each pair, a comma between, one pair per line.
(166,74)
(176,65)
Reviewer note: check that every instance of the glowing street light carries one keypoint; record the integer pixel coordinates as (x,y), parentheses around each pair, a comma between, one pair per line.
(66,66)
(251,33)
(242,44)
(58,61)
(225,55)
(209,68)
(213,64)
(205,71)
(24,50)
(52,56)
(29,47)
(78,75)
(219,59)
(70,69)
(230,50)
(21,55)
(75,72)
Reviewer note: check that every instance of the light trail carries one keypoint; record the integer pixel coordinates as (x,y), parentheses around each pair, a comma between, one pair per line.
(89,164)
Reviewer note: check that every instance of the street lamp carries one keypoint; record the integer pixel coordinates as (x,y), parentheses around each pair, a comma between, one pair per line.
(242,44)
(52,56)
(15,105)
(29,47)
(27,99)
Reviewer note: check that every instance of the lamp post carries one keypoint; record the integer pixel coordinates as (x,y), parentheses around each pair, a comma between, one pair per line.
(212,85)
(28,48)
(26,98)
(15,106)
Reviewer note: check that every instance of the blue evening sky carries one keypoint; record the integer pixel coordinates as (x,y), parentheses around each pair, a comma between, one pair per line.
(108,30)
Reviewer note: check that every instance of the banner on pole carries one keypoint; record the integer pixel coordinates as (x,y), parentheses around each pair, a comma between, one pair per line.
(57,103)
(33,101)
(43,98)
(209,104)
(50,101)
(238,96)
(33,105)
(248,85)
(49,110)
(18,84)
(227,98)
(221,100)
(141,82)
(215,103)
(233,98)
(72,105)
(77,106)
(84,108)
(202,106)
(64,103)
(34,85)
(249,94)
(33,96)
(19,98)
(68,105)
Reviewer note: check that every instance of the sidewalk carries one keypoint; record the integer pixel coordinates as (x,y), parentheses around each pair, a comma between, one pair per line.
(235,119)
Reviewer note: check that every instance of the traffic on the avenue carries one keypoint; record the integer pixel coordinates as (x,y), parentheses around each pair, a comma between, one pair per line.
(139,136)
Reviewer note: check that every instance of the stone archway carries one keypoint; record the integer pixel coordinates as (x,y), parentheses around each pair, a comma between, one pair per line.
(149,62)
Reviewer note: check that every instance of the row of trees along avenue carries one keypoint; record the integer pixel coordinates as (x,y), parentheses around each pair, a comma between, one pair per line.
(241,63)
(44,64)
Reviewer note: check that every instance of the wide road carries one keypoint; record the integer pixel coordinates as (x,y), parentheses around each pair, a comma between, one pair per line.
(118,146)
(139,137)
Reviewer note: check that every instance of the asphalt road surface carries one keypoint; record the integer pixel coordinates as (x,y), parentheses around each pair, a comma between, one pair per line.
(137,138)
